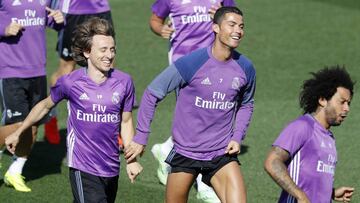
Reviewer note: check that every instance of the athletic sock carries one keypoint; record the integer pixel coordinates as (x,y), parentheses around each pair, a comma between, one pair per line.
(17,165)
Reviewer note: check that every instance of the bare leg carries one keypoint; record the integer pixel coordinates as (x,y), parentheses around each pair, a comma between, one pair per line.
(26,141)
(229,184)
(178,187)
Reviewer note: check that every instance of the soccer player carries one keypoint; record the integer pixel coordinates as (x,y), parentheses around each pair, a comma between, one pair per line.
(303,158)
(189,28)
(100,101)
(213,110)
(22,72)
(76,12)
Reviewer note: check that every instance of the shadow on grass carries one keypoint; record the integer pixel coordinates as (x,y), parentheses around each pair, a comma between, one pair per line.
(352,4)
(45,158)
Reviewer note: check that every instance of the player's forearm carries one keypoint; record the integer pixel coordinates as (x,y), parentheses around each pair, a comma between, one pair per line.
(156,24)
(145,115)
(127,130)
(37,113)
(276,168)
(242,121)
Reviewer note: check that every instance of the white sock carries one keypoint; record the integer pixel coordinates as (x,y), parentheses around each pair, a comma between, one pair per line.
(167,145)
(17,165)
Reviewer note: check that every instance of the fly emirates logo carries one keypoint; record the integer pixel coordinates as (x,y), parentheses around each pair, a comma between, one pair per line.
(201,15)
(327,167)
(98,115)
(217,102)
(29,19)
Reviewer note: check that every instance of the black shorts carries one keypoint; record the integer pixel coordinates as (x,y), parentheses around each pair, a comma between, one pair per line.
(65,35)
(19,95)
(90,188)
(180,163)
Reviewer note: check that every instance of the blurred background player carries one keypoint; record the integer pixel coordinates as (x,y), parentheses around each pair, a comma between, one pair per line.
(188,28)
(303,158)
(213,110)
(101,100)
(76,12)
(22,72)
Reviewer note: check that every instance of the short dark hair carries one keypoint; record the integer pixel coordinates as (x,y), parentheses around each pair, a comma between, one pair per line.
(220,13)
(83,35)
(324,84)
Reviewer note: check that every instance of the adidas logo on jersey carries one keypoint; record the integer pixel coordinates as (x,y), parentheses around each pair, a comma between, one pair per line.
(206,81)
(16,3)
(322,144)
(84,97)
(185,1)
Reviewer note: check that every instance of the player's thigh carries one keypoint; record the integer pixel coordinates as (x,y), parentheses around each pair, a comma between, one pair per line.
(178,186)
(228,182)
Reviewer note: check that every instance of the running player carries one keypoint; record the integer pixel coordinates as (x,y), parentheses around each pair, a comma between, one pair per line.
(303,158)
(188,28)
(213,110)
(100,99)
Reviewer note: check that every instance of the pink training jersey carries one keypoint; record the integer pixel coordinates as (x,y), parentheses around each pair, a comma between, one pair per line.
(80,7)
(313,158)
(94,119)
(191,21)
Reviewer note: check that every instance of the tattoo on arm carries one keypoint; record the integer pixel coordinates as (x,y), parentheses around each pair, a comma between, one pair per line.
(278,171)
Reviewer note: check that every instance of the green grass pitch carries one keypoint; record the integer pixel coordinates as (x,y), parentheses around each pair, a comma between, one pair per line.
(285,40)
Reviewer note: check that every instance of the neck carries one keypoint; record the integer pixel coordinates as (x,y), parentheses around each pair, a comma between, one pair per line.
(221,52)
(96,75)
(320,117)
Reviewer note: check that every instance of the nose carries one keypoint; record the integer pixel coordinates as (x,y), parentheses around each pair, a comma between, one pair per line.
(346,107)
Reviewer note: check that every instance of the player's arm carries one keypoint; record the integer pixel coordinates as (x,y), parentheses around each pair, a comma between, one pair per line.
(160,27)
(36,113)
(276,168)
(162,85)
(133,168)
(342,194)
(245,109)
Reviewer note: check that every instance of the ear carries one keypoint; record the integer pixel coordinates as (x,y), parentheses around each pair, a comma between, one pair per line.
(86,54)
(322,102)
(216,28)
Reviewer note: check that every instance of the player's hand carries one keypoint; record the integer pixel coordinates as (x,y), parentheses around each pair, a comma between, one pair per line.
(13,29)
(132,150)
(12,140)
(133,169)
(343,194)
(56,14)
(233,148)
(213,9)
(167,30)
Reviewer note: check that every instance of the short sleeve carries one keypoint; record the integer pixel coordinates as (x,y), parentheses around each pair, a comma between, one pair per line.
(294,136)
(161,8)
(61,89)
(129,97)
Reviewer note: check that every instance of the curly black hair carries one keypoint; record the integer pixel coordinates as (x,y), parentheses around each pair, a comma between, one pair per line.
(83,35)
(324,84)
